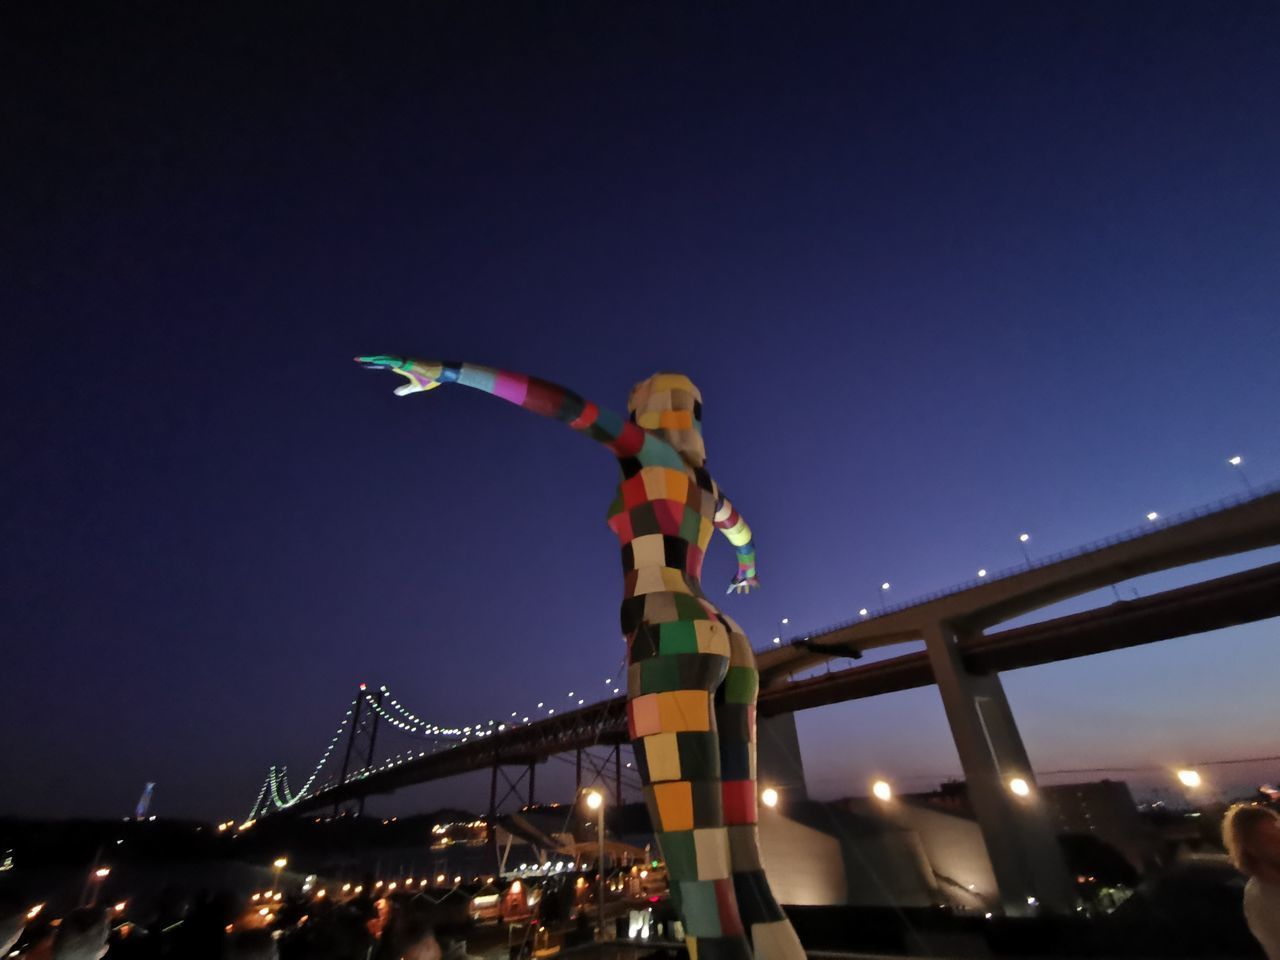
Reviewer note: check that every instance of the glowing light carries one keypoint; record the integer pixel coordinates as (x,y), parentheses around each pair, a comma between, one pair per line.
(280,862)
(515,886)
(786,620)
(35,911)
(594,799)
(882,790)
(769,797)
(982,572)
(1019,787)
(1236,461)
(1189,778)
(119,907)
(1153,515)
(102,873)
(1024,537)
(885,585)
(862,612)
(777,640)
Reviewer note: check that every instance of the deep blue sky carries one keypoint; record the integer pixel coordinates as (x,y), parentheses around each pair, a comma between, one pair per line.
(944,272)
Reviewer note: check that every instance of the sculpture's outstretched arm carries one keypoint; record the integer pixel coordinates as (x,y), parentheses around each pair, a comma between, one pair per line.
(729,522)
(616,432)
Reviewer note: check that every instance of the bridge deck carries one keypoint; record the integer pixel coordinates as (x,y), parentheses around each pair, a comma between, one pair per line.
(1226,601)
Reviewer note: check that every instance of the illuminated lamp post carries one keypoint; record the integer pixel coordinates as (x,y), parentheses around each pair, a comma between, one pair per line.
(1238,462)
(769,797)
(1023,538)
(595,801)
(95,884)
(279,864)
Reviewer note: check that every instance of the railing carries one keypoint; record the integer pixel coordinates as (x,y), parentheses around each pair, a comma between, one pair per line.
(1133,533)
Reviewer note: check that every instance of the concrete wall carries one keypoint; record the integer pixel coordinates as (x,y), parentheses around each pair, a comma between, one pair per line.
(956,852)
(805,867)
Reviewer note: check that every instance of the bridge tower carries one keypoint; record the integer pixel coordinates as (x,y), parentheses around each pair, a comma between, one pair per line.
(362,740)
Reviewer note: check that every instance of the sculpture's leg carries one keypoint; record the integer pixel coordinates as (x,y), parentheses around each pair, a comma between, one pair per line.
(771,933)
(675,666)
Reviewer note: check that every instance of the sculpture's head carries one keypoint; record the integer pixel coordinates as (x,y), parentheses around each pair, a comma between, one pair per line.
(669,405)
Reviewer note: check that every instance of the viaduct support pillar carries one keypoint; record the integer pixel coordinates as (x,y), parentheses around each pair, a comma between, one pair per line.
(778,761)
(1025,856)
(493,819)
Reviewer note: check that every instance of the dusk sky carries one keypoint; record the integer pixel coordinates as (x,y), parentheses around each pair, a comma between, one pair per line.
(944,272)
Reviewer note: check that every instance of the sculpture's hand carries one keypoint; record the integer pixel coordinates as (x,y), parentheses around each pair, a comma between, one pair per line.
(422,374)
(744,584)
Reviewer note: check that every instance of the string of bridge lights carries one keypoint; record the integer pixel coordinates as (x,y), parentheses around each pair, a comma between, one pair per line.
(407,721)
(270,784)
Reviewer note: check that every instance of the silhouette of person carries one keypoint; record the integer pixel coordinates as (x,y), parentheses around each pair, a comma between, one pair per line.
(1251,835)
(692,680)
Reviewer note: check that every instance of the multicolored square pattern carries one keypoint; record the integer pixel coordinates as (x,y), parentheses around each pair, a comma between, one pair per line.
(692,680)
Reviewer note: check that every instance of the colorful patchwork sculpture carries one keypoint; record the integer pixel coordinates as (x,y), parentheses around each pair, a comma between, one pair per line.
(692,680)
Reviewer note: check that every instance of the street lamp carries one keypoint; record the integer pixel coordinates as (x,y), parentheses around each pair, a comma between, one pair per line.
(1022,542)
(769,797)
(1019,787)
(884,588)
(882,791)
(595,801)
(982,573)
(1237,462)
(863,612)
(1153,516)
(279,863)
(95,884)
(1189,778)
(778,639)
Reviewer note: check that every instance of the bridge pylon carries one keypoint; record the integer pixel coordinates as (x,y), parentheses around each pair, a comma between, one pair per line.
(362,741)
